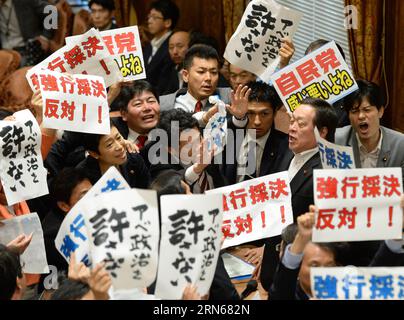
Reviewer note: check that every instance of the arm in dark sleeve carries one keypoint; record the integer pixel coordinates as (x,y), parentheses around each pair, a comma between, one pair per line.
(284,284)
(385,257)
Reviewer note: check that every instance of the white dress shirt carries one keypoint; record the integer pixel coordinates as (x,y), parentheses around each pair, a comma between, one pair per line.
(156,44)
(187,102)
(9,21)
(369,159)
(299,160)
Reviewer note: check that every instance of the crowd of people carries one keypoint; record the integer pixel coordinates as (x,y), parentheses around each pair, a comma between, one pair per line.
(183,70)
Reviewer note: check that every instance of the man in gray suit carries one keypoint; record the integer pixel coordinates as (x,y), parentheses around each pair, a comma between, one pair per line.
(374,146)
(201,73)
(22,20)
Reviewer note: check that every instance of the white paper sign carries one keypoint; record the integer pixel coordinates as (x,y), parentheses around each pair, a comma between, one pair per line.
(70,240)
(334,156)
(321,74)
(351,283)
(33,259)
(255,209)
(87,54)
(75,103)
(357,204)
(123,229)
(255,44)
(125,48)
(23,175)
(215,132)
(190,243)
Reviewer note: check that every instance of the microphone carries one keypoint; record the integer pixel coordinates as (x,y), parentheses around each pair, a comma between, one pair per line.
(251,287)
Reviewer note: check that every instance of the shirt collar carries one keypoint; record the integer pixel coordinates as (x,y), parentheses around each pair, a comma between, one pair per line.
(158,42)
(375,150)
(192,100)
(307,154)
(260,141)
(133,135)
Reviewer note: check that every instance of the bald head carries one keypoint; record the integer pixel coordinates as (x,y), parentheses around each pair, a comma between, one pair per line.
(178,45)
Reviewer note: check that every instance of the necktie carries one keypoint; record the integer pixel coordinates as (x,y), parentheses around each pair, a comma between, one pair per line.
(141,140)
(198,106)
(203,182)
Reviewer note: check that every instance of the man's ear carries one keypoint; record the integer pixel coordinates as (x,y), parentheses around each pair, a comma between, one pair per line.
(185,75)
(381,112)
(124,115)
(19,288)
(95,155)
(63,206)
(168,23)
(323,132)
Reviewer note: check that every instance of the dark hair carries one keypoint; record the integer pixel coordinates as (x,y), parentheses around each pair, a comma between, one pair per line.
(10,269)
(289,233)
(339,250)
(70,290)
(168,182)
(4,113)
(131,90)
(183,119)
(368,90)
(263,92)
(168,9)
(106,4)
(91,141)
(319,43)
(65,182)
(201,51)
(325,116)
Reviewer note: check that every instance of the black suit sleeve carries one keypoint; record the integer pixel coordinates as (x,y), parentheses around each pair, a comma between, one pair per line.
(222,288)
(384,257)
(284,285)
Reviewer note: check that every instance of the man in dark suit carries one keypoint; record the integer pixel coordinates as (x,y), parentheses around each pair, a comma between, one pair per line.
(162,19)
(270,144)
(180,148)
(302,158)
(102,14)
(178,45)
(201,73)
(22,20)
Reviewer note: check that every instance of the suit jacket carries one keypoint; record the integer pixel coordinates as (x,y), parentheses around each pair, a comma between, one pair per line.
(158,70)
(391,153)
(302,197)
(30,15)
(275,148)
(167,102)
(133,170)
(384,257)
(212,170)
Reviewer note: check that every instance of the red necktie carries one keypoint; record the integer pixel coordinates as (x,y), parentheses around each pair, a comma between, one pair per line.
(198,106)
(141,141)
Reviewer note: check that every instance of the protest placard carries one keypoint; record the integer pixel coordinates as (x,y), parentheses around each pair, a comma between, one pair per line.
(334,156)
(255,44)
(68,240)
(215,132)
(351,283)
(125,48)
(190,243)
(75,102)
(23,175)
(123,230)
(321,74)
(87,54)
(357,204)
(255,209)
(33,260)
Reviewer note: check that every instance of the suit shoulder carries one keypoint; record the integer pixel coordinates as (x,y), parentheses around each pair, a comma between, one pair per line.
(341,134)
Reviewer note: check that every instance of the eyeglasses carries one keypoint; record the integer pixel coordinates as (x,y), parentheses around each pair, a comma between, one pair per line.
(154,17)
